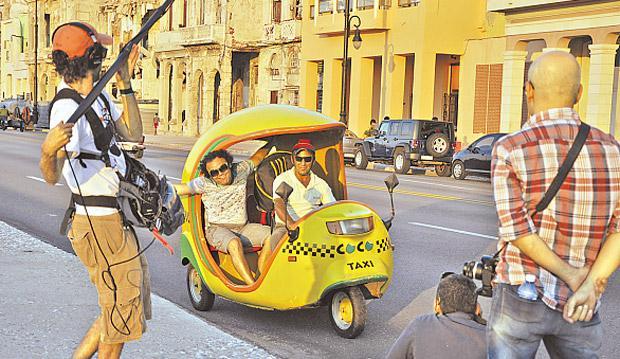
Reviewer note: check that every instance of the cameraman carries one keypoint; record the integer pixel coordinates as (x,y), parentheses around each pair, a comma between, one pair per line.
(558,245)
(456,330)
(106,247)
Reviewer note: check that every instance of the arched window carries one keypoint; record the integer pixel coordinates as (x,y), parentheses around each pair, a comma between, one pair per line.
(293,61)
(274,66)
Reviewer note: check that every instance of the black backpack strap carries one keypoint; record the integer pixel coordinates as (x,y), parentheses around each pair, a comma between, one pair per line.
(103,135)
(567,165)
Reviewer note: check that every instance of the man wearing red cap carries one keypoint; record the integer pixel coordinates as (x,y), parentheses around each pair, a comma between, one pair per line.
(98,235)
(309,191)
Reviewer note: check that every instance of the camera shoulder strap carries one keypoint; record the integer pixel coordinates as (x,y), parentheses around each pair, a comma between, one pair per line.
(567,165)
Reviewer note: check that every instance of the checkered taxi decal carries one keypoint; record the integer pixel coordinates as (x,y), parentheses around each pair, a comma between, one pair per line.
(310,249)
(382,245)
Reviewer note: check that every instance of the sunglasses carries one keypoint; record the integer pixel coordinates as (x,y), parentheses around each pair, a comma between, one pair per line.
(216,172)
(306,159)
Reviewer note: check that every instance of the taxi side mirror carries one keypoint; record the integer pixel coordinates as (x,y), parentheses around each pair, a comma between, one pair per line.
(391,182)
(284,191)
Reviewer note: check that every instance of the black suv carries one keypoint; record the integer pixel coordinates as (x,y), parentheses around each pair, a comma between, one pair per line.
(403,143)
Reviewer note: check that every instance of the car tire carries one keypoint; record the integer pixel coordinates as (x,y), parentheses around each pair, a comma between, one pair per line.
(202,299)
(438,144)
(347,312)
(458,170)
(360,160)
(401,162)
(444,170)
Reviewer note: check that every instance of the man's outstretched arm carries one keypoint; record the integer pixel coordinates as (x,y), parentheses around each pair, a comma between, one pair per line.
(52,158)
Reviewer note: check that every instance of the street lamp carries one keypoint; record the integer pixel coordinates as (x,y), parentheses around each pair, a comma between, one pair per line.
(357,43)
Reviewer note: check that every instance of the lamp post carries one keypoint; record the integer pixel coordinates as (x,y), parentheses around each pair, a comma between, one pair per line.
(357,42)
(35,110)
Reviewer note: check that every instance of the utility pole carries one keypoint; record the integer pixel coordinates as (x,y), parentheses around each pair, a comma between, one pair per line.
(35,111)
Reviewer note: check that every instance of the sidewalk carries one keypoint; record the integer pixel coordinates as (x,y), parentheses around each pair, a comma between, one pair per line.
(47,304)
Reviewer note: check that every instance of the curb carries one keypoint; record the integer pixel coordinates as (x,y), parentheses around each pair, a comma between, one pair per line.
(390,168)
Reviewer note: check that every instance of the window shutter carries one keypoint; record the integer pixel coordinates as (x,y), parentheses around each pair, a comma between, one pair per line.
(480,98)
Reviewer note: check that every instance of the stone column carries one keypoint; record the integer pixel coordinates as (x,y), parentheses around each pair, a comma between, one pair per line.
(360,101)
(309,83)
(395,85)
(600,90)
(423,85)
(512,90)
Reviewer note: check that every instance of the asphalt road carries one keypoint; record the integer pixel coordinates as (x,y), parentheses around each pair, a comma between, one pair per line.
(440,223)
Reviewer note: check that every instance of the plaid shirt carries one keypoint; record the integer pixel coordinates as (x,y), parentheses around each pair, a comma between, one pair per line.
(577,220)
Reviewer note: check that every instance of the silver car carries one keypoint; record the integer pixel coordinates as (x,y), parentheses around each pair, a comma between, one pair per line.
(350,142)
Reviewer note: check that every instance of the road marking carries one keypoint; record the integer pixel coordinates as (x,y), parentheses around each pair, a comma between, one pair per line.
(453,230)
(174,178)
(42,180)
(52,215)
(421,194)
(440,184)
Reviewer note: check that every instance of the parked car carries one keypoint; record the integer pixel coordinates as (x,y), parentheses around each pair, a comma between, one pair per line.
(403,143)
(14,118)
(476,158)
(350,142)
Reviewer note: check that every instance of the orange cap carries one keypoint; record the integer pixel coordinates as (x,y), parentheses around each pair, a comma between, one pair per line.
(74,40)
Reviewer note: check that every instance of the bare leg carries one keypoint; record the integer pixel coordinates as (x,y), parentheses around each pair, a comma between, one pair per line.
(110,351)
(264,255)
(90,343)
(235,249)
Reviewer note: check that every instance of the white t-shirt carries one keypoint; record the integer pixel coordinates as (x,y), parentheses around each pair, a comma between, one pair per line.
(303,199)
(96,179)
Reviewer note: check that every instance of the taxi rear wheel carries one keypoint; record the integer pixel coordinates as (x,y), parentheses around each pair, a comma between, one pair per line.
(347,312)
(202,299)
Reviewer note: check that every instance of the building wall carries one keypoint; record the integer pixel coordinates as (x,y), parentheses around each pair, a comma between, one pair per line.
(391,34)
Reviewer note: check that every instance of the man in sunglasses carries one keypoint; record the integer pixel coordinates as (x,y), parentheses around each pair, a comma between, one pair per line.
(309,191)
(223,190)
(455,330)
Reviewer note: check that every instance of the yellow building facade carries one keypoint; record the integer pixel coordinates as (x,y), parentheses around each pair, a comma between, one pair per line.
(462,61)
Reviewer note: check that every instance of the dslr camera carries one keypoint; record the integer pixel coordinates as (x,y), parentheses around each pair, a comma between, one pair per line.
(483,271)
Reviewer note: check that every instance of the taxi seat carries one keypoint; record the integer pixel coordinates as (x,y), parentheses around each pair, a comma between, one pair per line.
(266,172)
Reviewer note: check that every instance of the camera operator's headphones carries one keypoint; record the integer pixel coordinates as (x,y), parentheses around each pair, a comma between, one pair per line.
(96,53)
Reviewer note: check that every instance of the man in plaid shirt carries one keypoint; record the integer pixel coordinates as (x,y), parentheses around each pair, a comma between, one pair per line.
(559,245)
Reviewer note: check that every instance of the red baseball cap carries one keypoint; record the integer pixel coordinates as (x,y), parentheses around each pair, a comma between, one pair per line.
(303,144)
(73,39)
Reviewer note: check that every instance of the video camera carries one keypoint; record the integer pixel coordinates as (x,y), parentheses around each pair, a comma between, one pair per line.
(483,271)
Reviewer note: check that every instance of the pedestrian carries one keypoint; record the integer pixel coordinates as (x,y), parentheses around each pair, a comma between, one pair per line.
(456,329)
(155,123)
(106,245)
(545,254)
(372,130)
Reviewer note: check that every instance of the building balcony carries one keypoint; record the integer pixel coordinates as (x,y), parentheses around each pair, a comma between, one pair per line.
(332,24)
(285,31)
(189,36)
(507,5)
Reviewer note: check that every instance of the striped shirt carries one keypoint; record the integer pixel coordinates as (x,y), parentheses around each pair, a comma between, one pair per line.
(577,220)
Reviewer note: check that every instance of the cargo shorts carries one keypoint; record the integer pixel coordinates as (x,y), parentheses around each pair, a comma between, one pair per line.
(250,234)
(124,292)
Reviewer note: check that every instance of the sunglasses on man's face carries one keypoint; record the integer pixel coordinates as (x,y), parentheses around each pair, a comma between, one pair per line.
(306,159)
(216,172)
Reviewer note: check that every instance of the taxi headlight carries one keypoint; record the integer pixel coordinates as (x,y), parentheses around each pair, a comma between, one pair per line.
(351,226)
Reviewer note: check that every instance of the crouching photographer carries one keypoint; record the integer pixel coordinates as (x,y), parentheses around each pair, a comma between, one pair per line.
(552,224)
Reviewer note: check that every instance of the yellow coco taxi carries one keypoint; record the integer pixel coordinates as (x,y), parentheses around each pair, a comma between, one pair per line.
(342,255)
